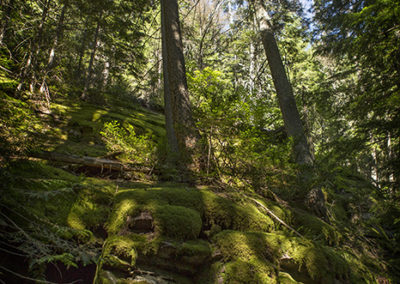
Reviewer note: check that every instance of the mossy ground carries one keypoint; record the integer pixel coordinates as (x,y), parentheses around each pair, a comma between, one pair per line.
(213,236)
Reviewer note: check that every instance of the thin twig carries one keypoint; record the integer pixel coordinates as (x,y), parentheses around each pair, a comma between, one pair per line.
(276,217)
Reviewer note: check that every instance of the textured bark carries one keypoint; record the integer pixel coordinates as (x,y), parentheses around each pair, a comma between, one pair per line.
(181,131)
(169,121)
(287,102)
(315,199)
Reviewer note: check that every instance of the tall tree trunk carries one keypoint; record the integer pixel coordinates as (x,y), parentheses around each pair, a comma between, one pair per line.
(181,133)
(315,199)
(90,68)
(287,102)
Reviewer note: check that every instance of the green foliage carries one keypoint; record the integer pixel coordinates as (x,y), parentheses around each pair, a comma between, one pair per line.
(138,148)
(363,38)
(316,228)
(18,125)
(234,132)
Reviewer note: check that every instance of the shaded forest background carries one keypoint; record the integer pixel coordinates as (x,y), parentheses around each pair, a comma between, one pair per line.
(341,58)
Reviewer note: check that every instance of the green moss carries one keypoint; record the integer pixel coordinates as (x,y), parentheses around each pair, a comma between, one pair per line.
(163,194)
(283,213)
(193,248)
(81,149)
(177,222)
(316,228)
(119,249)
(240,245)
(91,209)
(252,271)
(320,262)
(233,215)
(119,214)
(34,170)
(172,221)
(359,272)
(41,189)
(86,214)
(176,209)
(286,278)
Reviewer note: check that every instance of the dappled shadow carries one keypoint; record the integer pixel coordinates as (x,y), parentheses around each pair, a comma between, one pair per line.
(74,129)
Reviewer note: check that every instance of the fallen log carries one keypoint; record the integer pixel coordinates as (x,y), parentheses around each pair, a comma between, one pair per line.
(93,162)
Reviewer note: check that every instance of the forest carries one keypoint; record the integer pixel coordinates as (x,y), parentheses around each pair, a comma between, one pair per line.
(200,141)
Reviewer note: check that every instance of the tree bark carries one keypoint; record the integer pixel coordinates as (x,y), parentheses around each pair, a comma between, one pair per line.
(287,102)
(181,133)
(90,68)
(169,121)
(315,199)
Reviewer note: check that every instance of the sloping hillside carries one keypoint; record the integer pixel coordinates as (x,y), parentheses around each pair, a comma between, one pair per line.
(62,222)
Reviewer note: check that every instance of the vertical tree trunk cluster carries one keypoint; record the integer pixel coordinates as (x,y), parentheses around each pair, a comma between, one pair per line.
(52,54)
(92,55)
(32,59)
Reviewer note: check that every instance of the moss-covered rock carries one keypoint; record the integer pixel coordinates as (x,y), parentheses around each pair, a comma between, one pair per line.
(173,210)
(177,222)
(316,228)
(119,252)
(228,214)
(267,253)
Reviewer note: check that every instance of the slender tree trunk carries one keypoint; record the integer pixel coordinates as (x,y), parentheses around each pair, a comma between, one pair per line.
(287,102)
(38,46)
(51,60)
(81,52)
(106,74)
(181,132)
(90,68)
(59,36)
(31,63)
(315,199)
(252,67)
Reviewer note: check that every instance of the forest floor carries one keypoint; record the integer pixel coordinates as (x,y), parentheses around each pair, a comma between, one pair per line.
(64,222)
